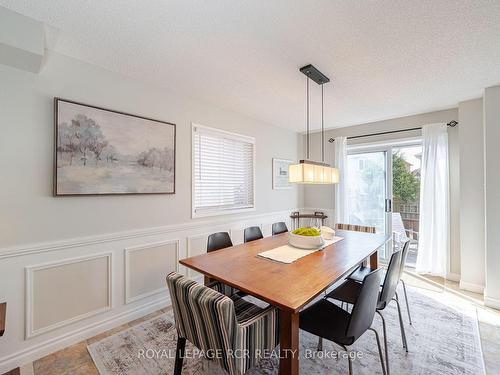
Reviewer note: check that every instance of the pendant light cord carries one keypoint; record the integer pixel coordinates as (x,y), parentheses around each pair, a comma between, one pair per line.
(307,121)
(322,129)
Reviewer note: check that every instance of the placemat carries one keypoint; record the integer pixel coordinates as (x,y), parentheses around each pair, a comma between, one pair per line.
(289,254)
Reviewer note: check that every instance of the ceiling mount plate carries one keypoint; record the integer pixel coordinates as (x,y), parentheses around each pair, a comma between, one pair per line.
(314,74)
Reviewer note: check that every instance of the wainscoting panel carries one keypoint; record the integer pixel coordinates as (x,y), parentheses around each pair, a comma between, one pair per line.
(237,235)
(196,245)
(146,267)
(64,292)
(267,229)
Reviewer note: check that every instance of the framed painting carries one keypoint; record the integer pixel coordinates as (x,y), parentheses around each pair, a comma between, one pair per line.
(99,151)
(280,174)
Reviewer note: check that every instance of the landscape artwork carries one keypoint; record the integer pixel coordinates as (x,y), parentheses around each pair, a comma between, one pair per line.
(100,151)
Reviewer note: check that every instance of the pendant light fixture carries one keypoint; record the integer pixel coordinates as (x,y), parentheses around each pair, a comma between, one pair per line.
(308,171)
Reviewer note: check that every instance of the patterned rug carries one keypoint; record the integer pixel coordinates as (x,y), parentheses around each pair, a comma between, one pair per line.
(444,339)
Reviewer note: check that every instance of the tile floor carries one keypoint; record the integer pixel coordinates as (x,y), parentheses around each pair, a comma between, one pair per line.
(75,359)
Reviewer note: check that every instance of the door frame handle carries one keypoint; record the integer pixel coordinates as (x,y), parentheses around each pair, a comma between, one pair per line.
(388,205)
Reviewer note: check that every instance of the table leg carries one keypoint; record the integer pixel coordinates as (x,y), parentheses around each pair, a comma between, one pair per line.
(374,260)
(289,343)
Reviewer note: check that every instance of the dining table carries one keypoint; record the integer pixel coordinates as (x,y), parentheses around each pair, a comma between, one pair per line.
(288,286)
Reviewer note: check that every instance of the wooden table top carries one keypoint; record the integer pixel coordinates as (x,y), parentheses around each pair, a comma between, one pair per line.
(288,286)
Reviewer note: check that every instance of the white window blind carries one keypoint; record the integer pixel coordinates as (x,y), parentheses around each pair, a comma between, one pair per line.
(223,169)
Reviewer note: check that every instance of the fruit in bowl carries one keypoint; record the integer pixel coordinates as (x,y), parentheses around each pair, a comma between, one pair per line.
(306,238)
(307,232)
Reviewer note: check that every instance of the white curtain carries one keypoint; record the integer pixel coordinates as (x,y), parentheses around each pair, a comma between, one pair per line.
(341,203)
(434,230)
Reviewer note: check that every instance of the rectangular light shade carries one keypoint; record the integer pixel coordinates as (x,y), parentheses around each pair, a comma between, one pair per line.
(308,173)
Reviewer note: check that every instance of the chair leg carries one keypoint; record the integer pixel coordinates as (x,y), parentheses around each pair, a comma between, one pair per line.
(348,358)
(406,299)
(384,329)
(379,350)
(401,326)
(179,355)
(320,344)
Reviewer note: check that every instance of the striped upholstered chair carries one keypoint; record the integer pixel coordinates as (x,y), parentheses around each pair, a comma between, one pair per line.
(356,228)
(213,321)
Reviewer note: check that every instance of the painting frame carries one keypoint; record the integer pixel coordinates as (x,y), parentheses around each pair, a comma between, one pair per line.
(55,190)
(276,180)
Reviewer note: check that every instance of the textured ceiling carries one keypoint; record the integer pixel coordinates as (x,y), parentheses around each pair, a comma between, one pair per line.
(385,58)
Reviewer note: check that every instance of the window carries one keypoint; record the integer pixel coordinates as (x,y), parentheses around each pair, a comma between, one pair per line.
(223,172)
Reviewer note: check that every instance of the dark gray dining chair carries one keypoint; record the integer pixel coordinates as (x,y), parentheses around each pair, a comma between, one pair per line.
(217,241)
(330,322)
(359,273)
(349,291)
(279,228)
(252,234)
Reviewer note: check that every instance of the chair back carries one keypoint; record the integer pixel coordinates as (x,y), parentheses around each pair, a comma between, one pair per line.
(204,316)
(279,228)
(364,309)
(356,228)
(252,234)
(217,241)
(404,255)
(391,280)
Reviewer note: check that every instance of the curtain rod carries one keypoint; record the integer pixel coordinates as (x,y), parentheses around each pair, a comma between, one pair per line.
(451,124)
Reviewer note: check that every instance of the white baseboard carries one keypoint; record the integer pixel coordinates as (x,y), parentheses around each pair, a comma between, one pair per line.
(453,277)
(27,369)
(471,287)
(492,302)
(35,352)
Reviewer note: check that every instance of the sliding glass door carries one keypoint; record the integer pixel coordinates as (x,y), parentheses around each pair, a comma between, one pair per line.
(383,191)
(369,191)
(406,164)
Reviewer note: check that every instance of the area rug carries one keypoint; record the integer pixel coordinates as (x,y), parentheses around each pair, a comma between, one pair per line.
(444,339)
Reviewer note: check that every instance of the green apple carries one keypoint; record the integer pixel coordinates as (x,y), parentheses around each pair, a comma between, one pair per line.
(311,232)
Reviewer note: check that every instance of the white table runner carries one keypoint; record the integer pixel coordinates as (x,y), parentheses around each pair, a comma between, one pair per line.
(289,254)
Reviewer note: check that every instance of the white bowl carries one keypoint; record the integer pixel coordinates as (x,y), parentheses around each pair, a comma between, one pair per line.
(305,242)
(327,233)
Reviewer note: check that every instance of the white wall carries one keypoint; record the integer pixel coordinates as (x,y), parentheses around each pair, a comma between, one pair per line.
(491,102)
(324,196)
(471,141)
(30,214)
(45,242)
(454,270)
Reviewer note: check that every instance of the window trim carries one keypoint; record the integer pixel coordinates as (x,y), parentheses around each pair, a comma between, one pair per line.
(219,212)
